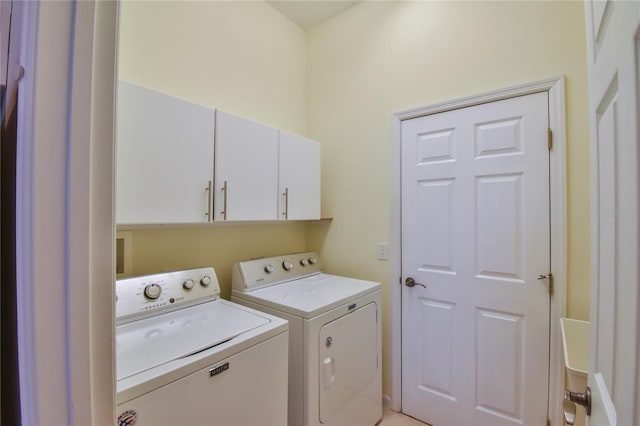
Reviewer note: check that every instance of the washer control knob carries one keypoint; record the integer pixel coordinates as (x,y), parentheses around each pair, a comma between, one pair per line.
(313,260)
(152,291)
(268,269)
(304,262)
(206,280)
(187,284)
(287,265)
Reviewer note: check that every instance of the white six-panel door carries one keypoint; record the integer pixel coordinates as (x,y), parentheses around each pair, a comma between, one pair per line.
(612,29)
(475,232)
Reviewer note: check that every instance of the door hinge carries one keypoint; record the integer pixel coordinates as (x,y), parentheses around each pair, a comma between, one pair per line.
(549,139)
(549,277)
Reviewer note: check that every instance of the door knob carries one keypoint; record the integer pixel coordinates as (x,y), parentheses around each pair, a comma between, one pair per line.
(410,282)
(570,401)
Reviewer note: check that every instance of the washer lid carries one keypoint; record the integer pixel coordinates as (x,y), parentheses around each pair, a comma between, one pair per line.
(311,296)
(147,343)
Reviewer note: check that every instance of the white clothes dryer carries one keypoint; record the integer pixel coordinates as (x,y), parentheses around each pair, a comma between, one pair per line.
(334,336)
(186,357)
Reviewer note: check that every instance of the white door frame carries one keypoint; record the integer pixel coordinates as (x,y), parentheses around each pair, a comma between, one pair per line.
(558,185)
(64,208)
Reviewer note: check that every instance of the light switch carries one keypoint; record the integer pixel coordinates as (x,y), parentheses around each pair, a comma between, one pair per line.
(383,251)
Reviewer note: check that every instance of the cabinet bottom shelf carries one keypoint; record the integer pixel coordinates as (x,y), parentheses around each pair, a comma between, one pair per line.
(138,226)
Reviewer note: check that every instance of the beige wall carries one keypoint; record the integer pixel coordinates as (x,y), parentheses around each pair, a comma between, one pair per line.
(340,84)
(242,57)
(384,57)
(218,246)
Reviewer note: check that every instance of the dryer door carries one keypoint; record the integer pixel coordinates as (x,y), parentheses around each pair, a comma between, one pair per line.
(348,359)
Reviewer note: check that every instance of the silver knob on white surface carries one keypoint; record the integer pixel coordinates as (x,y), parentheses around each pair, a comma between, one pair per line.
(312,260)
(206,280)
(152,291)
(304,262)
(268,269)
(287,265)
(188,284)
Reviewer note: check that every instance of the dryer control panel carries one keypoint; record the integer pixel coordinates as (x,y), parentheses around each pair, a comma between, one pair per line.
(149,295)
(257,273)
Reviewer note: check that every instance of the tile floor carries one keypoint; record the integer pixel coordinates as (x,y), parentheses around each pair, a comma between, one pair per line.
(391,418)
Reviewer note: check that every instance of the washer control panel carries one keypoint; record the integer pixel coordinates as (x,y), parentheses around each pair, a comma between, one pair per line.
(149,295)
(257,273)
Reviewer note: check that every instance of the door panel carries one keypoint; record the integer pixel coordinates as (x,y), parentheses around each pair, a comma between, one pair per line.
(612,48)
(438,331)
(499,387)
(607,236)
(499,218)
(500,137)
(475,231)
(435,202)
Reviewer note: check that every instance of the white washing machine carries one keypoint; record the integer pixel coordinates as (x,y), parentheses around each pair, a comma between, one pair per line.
(186,357)
(335,355)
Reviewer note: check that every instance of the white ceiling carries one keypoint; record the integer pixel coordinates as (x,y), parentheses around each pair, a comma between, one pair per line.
(309,13)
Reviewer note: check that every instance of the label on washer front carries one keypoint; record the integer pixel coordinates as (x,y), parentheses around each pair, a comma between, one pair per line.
(222,368)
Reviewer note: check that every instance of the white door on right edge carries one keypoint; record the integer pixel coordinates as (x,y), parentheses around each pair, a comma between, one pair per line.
(614,372)
(475,231)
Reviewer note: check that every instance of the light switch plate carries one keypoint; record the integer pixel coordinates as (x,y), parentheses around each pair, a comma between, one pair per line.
(383,251)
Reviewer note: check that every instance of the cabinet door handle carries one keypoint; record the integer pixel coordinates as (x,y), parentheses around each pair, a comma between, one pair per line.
(208,213)
(286,203)
(225,189)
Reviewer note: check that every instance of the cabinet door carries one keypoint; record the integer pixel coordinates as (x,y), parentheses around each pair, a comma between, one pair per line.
(299,180)
(246,169)
(164,157)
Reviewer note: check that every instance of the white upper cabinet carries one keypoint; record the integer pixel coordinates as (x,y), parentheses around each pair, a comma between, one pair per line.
(299,177)
(164,157)
(178,162)
(246,169)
